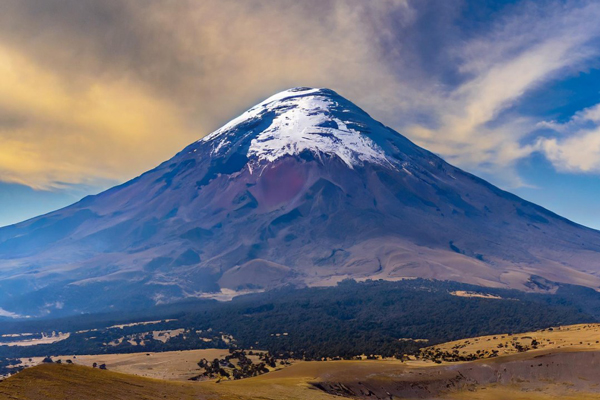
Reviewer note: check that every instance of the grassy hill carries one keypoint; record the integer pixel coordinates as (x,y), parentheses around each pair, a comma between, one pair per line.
(60,382)
(565,365)
(83,383)
(519,376)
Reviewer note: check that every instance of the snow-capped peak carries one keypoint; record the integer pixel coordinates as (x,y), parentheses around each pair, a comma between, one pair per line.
(301,119)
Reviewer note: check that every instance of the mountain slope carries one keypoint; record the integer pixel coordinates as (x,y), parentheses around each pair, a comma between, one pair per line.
(304,188)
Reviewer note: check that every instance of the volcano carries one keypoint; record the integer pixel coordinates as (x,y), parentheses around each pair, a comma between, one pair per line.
(304,188)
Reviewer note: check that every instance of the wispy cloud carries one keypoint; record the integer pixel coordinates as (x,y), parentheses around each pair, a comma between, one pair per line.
(477,126)
(9,314)
(577,148)
(93,90)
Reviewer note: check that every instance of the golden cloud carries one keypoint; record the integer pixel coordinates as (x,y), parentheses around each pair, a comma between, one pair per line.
(63,133)
(110,90)
(106,90)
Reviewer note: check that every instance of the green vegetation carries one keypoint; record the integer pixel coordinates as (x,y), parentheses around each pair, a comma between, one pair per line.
(237,365)
(371,318)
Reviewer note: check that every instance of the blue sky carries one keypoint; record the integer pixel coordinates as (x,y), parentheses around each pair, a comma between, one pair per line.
(99,92)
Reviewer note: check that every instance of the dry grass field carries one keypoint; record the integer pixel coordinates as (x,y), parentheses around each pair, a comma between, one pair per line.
(566,365)
(580,337)
(302,381)
(53,382)
(83,383)
(170,365)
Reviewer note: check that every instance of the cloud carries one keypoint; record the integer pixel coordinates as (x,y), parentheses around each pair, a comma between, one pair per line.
(109,89)
(101,91)
(519,54)
(54,133)
(577,148)
(9,314)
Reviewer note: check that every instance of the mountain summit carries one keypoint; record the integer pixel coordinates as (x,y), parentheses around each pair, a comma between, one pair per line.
(305,188)
(297,121)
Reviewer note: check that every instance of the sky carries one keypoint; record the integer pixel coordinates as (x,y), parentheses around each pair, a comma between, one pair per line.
(93,93)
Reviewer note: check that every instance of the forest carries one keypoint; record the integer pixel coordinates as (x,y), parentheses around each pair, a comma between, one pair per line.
(372,318)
